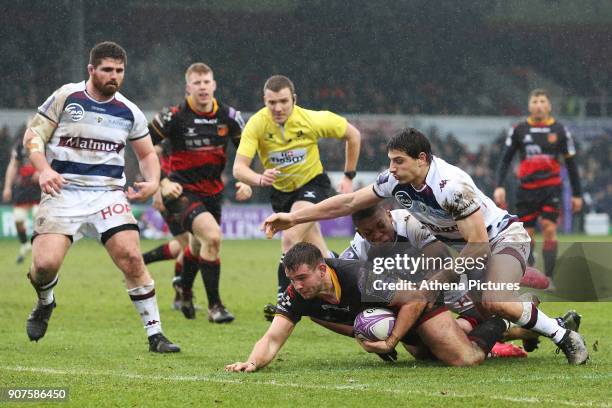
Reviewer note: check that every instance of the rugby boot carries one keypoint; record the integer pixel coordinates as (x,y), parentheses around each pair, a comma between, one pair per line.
(38,321)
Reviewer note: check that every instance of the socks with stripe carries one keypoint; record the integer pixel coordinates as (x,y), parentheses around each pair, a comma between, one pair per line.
(45,291)
(143,298)
(549,253)
(190,269)
(211,273)
(534,319)
(161,253)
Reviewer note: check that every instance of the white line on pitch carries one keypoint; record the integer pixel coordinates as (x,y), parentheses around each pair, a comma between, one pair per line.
(354,387)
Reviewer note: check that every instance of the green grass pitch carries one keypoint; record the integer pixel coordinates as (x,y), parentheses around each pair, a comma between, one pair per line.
(96,347)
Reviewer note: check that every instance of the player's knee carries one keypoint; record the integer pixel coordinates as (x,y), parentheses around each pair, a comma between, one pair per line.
(131,263)
(44,266)
(466,360)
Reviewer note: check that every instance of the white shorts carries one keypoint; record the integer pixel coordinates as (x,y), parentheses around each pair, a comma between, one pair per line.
(20,212)
(514,241)
(77,213)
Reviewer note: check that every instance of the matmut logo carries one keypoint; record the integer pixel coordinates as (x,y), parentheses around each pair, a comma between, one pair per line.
(90,144)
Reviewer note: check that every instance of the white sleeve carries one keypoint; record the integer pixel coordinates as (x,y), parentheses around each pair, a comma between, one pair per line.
(407,225)
(358,249)
(384,185)
(460,198)
(140,128)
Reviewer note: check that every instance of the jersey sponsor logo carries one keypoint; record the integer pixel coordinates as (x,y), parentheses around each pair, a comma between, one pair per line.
(115,209)
(552,138)
(222,130)
(436,228)
(334,307)
(287,158)
(404,199)
(203,121)
(539,130)
(75,111)
(97,108)
(309,194)
(528,139)
(90,144)
(190,132)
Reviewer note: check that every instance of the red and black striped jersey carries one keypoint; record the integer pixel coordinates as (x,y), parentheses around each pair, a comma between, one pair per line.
(197,143)
(540,146)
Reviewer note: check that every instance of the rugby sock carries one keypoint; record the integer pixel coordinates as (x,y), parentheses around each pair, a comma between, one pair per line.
(486,334)
(178,268)
(190,269)
(145,302)
(21,234)
(211,272)
(45,291)
(549,252)
(531,258)
(534,319)
(161,253)
(283,280)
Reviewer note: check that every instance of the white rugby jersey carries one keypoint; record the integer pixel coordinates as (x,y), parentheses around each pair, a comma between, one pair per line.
(408,229)
(449,195)
(87,147)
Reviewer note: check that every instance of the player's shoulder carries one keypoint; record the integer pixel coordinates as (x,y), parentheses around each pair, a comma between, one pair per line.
(229,112)
(446,178)
(65,91)
(122,99)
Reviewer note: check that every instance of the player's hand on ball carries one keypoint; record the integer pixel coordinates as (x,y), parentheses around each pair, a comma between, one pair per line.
(51,182)
(379,347)
(499,196)
(142,190)
(243,191)
(238,367)
(277,222)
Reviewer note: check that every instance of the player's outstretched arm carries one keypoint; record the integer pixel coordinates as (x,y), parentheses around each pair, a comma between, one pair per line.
(149,168)
(333,207)
(266,348)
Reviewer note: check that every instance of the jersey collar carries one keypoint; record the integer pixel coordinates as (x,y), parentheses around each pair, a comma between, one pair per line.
(197,112)
(335,282)
(547,122)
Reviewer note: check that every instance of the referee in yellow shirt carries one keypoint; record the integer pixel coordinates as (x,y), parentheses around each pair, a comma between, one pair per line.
(285,136)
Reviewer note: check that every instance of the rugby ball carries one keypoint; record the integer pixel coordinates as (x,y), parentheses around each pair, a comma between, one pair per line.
(374,324)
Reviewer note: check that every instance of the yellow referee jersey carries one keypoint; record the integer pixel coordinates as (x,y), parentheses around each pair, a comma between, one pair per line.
(291,148)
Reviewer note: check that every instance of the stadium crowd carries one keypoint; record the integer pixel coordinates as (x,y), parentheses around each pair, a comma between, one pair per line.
(480,163)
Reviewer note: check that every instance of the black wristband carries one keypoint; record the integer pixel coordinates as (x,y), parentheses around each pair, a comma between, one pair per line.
(350,174)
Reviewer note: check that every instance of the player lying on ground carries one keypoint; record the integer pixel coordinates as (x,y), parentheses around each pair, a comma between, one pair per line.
(329,290)
(446,200)
(375,225)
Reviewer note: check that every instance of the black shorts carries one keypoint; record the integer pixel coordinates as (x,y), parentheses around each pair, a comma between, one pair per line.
(184,209)
(541,202)
(316,190)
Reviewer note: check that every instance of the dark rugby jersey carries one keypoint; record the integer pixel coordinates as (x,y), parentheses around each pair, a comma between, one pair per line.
(198,143)
(345,276)
(540,146)
(25,189)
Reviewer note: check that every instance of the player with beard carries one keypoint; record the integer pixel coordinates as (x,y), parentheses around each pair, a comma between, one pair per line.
(445,199)
(540,141)
(21,188)
(77,142)
(198,131)
(332,291)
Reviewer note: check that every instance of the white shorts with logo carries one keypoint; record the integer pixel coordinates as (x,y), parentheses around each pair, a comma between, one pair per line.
(78,212)
(514,241)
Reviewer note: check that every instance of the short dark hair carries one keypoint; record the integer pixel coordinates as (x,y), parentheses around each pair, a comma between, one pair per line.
(107,49)
(412,142)
(365,213)
(539,92)
(277,82)
(300,254)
